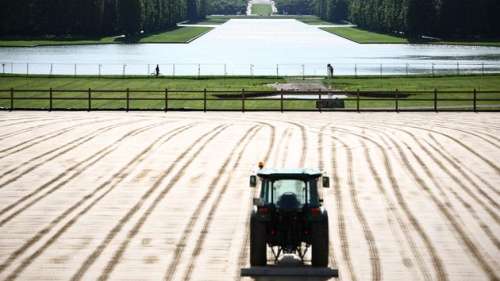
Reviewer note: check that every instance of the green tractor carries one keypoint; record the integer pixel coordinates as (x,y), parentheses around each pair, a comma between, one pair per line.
(288,216)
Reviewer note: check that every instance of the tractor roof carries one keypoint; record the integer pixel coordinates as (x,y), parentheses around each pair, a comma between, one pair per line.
(289,173)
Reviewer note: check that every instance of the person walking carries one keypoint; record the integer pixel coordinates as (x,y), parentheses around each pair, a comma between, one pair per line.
(157,70)
(330,71)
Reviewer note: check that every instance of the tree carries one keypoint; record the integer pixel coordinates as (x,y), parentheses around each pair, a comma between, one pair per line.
(192,10)
(131,16)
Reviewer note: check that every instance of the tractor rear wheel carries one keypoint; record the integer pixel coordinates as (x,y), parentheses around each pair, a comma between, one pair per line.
(320,244)
(258,249)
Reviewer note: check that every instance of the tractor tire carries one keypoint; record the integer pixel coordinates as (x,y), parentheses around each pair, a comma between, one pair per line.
(320,244)
(258,245)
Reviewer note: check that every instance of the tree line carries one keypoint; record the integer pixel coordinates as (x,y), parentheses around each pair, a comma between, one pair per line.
(95,17)
(227,7)
(449,19)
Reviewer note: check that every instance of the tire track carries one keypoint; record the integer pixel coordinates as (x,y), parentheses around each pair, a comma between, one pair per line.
(278,150)
(244,246)
(208,222)
(288,137)
(321,166)
(466,147)
(111,183)
(370,239)
(94,158)
(303,133)
(436,260)
(488,198)
(465,239)
(431,176)
(466,205)
(29,129)
(37,140)
(475,134)
(393,210)
(457,160)
(206,139)
(344,242)
(179,249)
(67,147)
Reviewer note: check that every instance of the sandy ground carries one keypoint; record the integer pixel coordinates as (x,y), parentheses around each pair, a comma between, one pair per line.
(155,196)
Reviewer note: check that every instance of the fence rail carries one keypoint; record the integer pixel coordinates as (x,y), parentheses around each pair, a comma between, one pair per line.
(244,100)
(277,70)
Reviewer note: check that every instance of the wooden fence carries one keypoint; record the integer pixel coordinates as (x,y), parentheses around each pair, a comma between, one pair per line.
(242,100)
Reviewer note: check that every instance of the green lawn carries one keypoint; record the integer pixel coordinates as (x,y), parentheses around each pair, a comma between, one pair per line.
(447,84)
(365,37)
(262,9)
(178,35)
(313,20)
(215,20)
(451,84)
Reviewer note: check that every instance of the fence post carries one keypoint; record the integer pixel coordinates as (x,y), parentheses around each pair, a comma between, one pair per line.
(242,100)
(397,100)
(357,100)
(303,72)
(123,72)
(204,100)
(51,69)
(75,70)
(381,71)
(319,101)
(435,100)
(199,71)
(27,70)
(475,100)
(355,71)
(277,71)
(100,69)
(173,70)
(281,101)
(166,100)
(458,68)
(225,70)
(89,107)
(128,99)
(3,68)
(11,99)
(432,69)
(50,99)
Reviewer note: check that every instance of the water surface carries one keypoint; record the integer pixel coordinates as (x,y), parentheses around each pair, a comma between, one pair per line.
(253,46)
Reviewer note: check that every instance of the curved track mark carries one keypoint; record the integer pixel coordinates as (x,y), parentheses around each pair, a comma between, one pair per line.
(344,241)
(370,240)
(94,158)
(436,260)
(205,139)
(111,183)
(37,140)
(67,147)
(179,249)
(201,240)
(466,240)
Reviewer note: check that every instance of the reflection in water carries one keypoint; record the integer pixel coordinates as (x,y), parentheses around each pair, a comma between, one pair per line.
(252,46)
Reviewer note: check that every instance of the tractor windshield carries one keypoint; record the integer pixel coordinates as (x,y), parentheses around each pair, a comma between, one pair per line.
(305,192)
